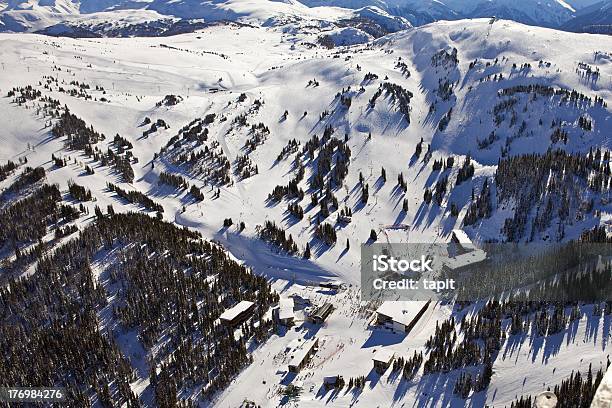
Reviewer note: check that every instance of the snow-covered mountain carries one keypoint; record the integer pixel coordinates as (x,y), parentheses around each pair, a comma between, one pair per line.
(548,13)
(580,4)
(33,15)
(418,12)
(55,6)
(260,139)
(596,18)
(162,17)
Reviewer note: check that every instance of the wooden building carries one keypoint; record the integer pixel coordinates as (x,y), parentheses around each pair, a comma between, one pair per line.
(382,359)
(462,242)
(286,314)
(301,355)
(401,316)
(321,313)
(332,381)
(237,314)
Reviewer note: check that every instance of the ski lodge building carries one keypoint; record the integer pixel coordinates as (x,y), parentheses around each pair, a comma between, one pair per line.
(464,257)
(286,316)
(468,261)
(321,313)
(461,240)
(382,359)
(237,314)
(301,354)
(401,316)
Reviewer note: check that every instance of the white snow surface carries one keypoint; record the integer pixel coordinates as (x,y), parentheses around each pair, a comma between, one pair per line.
(275,67)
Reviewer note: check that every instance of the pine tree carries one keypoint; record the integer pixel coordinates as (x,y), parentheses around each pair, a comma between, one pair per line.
(419,148)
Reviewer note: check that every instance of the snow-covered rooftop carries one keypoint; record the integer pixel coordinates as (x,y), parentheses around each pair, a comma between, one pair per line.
(383,356)
(470,258)
(300,353)
(285,310)
(461,237)
(232,313)
(294,344)
(402,312)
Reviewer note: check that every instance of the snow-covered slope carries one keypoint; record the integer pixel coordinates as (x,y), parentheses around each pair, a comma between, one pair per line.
(259,10)
(387,21)
(121,23)
(380,99)
(280,78)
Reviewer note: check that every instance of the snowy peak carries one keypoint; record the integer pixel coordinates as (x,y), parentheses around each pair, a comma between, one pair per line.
(31,15)
(424,12)
(164,17)
(49,6)
(596,18)
(546,13)
(35,15)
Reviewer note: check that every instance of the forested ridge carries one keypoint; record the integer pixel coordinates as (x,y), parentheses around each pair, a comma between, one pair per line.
(163,281)
(555,184)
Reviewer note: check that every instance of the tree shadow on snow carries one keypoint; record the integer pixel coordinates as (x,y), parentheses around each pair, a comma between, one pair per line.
(380,337)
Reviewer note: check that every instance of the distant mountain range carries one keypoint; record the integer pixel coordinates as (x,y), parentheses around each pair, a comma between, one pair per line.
(596,18)
(394,15)
(571,15)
